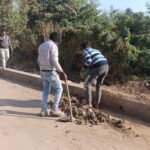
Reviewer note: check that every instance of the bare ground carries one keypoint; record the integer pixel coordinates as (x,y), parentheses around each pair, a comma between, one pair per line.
(21,128)
(138,90)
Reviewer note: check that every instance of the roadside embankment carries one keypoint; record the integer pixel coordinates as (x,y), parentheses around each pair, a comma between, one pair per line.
(117,102)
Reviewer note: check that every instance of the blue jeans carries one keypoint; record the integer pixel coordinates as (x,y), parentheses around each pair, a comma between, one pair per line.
(51,79)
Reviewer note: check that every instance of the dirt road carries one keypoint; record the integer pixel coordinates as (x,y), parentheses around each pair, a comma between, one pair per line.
(22,129)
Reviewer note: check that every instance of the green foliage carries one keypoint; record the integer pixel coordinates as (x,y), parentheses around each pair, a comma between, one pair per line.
(135,78)
(123,37)
(143,63)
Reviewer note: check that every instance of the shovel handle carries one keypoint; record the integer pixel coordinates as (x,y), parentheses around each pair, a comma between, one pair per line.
(69,99)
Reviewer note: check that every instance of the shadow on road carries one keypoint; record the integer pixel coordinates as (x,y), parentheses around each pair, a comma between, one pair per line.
(24,115)
(21,103)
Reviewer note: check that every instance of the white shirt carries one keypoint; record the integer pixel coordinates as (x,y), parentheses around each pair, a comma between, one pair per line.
(48,56)
(2,37)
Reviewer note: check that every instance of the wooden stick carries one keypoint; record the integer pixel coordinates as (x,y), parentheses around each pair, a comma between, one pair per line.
(69,99)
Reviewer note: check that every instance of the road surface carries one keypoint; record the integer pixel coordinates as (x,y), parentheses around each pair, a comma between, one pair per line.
(22,129)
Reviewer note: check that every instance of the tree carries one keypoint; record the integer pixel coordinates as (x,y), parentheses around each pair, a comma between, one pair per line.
(123,36)
(10,19)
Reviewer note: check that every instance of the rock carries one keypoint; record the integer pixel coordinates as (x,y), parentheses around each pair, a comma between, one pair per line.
(68,131)
(137,135)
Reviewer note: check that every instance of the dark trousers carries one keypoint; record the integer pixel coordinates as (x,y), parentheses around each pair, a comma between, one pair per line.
(99,75)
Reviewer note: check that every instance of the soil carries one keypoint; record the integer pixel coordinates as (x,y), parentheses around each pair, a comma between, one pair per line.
(85,114)
(138,90)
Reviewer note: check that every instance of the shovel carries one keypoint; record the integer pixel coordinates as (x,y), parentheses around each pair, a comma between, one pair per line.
(69,99)
(66,118)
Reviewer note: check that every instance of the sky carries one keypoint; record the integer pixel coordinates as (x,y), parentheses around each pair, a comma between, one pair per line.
(135,5)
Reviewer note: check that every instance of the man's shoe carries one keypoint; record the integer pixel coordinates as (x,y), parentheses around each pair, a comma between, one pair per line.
(85,104)
(57,113)
(43,114)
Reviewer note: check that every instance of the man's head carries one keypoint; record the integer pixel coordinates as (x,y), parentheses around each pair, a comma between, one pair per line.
(2,32)
(85,44)
(56,37)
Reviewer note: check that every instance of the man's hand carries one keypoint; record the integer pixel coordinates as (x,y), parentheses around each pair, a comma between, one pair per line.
(63,75)
(84,73)
(11,52)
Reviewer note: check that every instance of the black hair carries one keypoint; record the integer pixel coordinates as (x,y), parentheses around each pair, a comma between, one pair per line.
(55,36)
(2,30)
(85,44)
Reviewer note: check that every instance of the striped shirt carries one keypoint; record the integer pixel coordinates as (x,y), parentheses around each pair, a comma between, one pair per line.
(93,57)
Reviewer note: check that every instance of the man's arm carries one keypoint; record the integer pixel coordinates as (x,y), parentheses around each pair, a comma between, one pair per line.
(54,59)
(10,45)
(38,61)
(56,64)
(87,58)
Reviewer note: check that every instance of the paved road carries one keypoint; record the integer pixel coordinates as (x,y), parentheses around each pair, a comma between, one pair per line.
(22,129)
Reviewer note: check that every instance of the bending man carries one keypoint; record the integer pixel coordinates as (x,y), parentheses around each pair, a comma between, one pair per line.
(98,69)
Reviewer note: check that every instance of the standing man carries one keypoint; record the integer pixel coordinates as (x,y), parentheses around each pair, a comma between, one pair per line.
(98,67)
(49,69)
(5,46)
